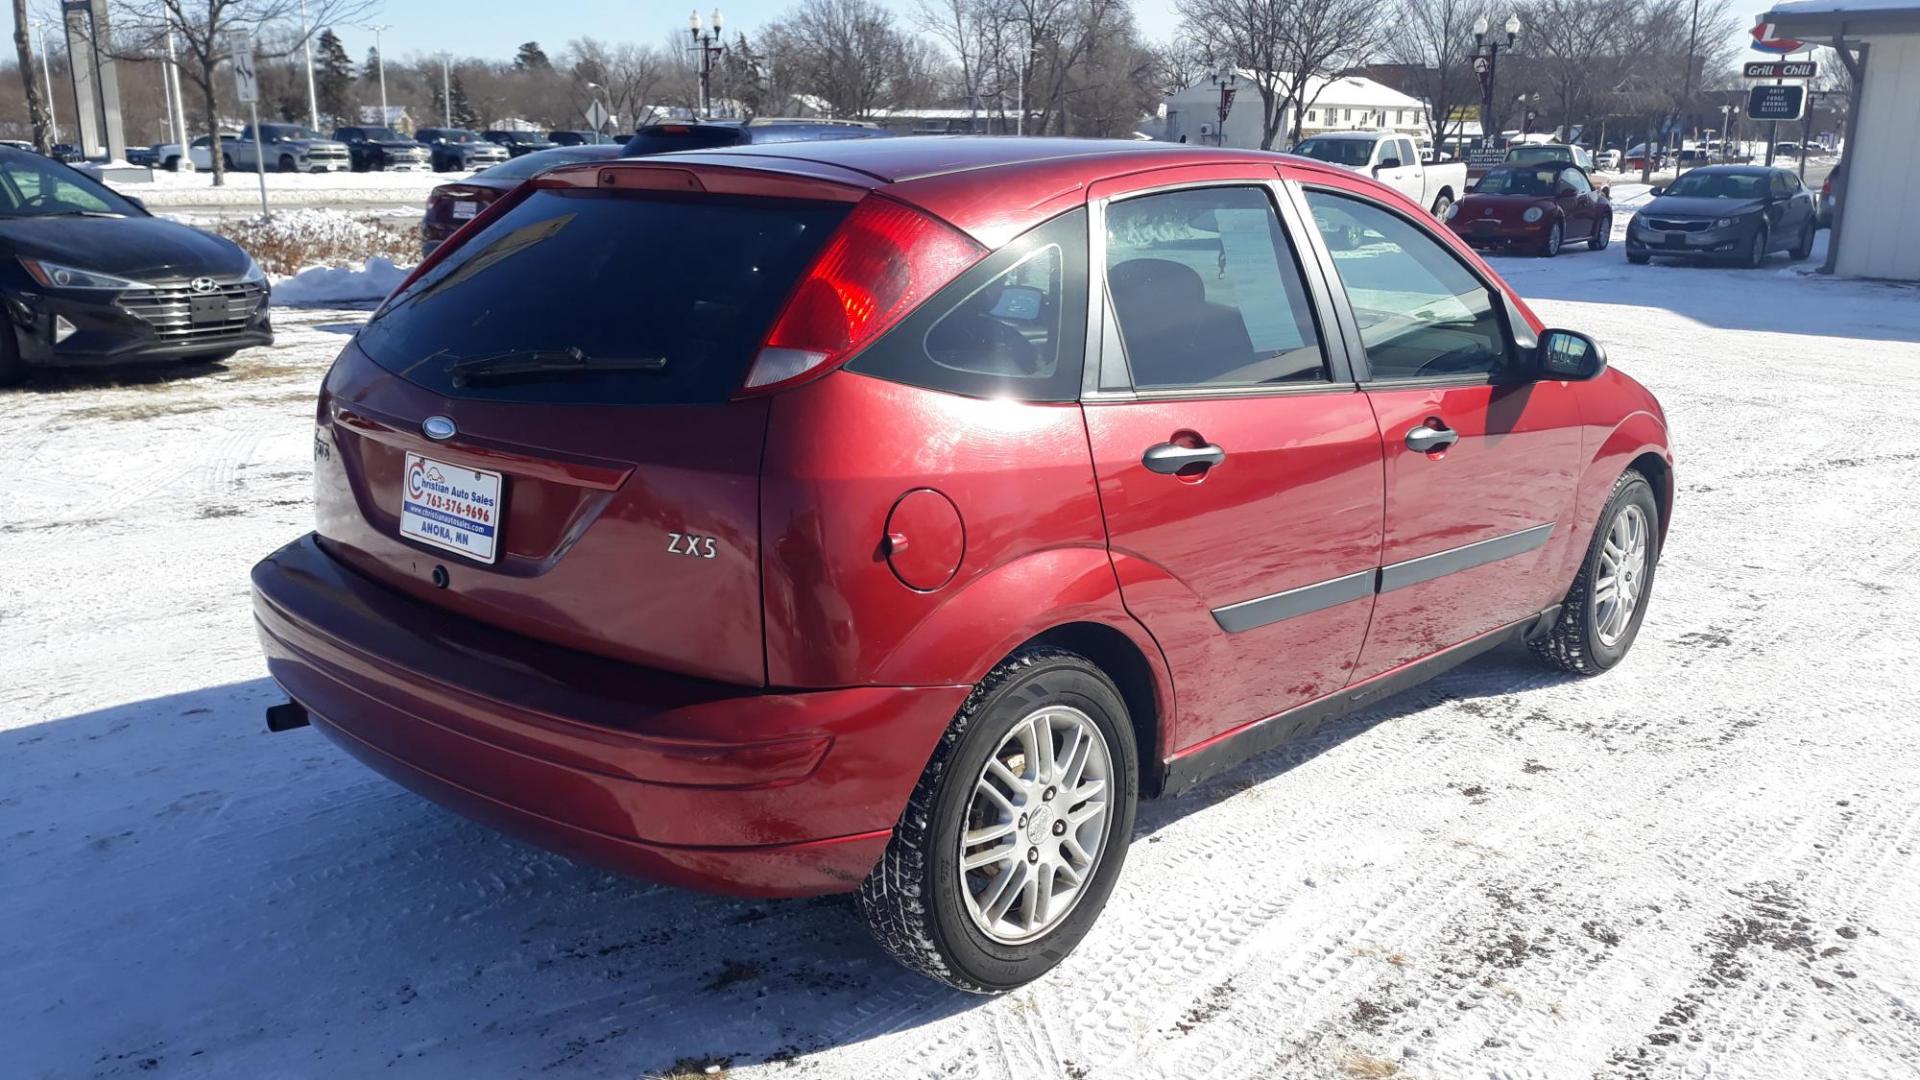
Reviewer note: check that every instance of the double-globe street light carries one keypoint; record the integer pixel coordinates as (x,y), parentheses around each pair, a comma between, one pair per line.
(1225,79)
(708,44)
(1486,64)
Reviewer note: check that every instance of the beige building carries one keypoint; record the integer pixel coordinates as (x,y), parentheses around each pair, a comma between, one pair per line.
(1877,232)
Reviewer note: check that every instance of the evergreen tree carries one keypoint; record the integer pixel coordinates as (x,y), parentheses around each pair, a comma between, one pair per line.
(531,57)
(462,115)
(333,78)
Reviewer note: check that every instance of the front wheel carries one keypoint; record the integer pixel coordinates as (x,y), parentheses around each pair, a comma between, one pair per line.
(1601,615)
(1017,830)
(1638,260)
(1757,250)
(287,165)
(173,164)
(1804,246)
(1602,233)
(1555,237)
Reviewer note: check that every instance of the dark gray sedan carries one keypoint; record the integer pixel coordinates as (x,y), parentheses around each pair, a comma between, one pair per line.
(1726,213)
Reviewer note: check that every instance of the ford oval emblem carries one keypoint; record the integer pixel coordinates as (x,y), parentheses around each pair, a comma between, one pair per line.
(438,428)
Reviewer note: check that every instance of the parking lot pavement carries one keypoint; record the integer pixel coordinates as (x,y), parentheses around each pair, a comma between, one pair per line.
(1703,862)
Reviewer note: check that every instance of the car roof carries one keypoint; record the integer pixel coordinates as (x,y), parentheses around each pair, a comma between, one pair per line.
(1034,178)
(1735,170)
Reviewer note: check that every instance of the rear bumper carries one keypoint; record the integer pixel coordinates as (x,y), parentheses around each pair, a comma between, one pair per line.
(683,781)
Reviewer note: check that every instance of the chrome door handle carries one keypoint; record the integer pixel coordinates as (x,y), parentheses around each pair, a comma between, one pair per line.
(1170,458)
(1426,439)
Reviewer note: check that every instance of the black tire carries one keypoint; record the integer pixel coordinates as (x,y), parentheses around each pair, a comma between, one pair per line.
(13,369)
(1638,259)
(1804,247)
(1602,233)
(1757,250)
(1440,205)
(287,164)
(1556,238)
(227,161)
(173,164)
(912,900)
(1575,643)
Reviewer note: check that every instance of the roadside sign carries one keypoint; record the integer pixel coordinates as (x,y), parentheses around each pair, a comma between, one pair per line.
(1486,157)
(1764,40)
(1780,69)
(1776,102)
(246,78)
(597,115)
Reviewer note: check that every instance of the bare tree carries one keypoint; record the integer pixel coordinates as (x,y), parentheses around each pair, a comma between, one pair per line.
(1434,40)
(1289,48)
(211,30)
(846,52)
(36,109)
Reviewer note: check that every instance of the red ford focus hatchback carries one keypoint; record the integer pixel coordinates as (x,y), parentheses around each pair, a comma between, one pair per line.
(888,516)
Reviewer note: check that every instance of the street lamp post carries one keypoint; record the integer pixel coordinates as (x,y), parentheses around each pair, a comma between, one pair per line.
(1225,79)
(1486,64)
(46,76)
(380,59)
(446,88)
(313,100)
(709,45)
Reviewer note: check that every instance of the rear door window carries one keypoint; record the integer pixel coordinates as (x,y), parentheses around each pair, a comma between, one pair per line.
(1208,292)
(677,290)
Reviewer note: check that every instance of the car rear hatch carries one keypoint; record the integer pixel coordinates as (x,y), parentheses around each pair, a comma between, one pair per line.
(545,429)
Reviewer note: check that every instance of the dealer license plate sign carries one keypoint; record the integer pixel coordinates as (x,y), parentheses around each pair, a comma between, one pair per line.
(462,210)
(451,507)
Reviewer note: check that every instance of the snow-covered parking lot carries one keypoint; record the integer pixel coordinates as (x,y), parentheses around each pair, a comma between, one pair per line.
(1702,863)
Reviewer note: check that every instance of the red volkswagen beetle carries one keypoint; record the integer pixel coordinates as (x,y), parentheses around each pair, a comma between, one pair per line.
(889,516)
(1538,206)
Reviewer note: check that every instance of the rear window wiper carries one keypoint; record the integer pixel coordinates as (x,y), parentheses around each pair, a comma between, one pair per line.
(520,365)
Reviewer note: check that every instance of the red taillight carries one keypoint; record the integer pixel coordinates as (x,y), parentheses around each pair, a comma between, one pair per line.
(1827,187)
(882,262)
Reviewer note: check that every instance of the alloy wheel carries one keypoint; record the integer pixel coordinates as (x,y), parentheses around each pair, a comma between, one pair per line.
(1553,239)
(1621,575)
(1036,825)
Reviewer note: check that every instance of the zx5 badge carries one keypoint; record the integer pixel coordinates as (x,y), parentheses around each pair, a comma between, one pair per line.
(700,547)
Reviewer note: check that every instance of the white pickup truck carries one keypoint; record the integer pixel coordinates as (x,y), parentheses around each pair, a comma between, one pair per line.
(1392,159)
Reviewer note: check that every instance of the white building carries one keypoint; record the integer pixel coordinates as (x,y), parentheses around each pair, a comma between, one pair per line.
(1343,103)
(1878,231)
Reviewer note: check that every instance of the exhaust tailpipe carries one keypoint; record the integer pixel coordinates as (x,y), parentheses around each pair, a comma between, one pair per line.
(286,716)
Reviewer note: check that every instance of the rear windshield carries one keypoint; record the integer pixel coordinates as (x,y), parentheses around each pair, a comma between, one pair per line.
(1337,151)
(660,140)
(1509,180)
(1528,155)
(683,288)
(540,161)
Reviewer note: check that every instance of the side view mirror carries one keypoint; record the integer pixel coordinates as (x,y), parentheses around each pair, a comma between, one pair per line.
(140,203)
(1386,163)
(1656,191)
(1570,355)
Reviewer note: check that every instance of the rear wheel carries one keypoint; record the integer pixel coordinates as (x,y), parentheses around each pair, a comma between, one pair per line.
(1440,206)
(1601,614)
(227,161)
(173,164)
(1012,840)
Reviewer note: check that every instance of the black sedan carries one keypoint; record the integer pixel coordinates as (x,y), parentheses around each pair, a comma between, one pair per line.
(1728,213)
(87,276)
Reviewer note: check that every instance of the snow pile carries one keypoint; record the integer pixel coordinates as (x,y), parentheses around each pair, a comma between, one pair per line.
(371,280)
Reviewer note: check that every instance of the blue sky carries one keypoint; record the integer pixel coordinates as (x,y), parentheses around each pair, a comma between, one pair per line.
(495,27)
